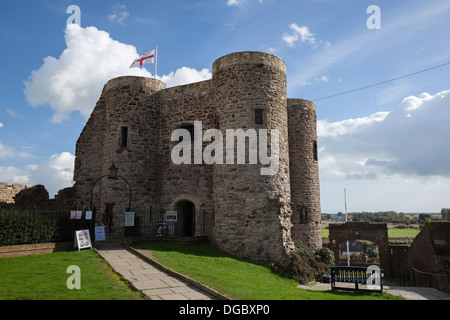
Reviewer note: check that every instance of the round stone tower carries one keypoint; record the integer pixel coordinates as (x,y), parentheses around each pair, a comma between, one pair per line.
(131,142)
(304,169)
(251,208)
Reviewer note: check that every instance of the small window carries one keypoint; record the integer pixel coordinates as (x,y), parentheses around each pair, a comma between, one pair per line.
(259,117)
(123,139)
(303,215)
(315,157)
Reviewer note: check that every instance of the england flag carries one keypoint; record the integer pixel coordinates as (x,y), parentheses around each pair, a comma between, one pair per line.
(148,57)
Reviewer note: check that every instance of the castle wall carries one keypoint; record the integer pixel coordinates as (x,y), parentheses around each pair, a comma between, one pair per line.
(182,106)
(8,192)
(304,169)
(131,104)
(89,154)
(252,213)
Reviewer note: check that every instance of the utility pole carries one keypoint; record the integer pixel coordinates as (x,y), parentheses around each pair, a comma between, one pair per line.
(346,220)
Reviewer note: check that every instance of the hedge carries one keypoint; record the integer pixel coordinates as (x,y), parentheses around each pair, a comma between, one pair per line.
(22,227)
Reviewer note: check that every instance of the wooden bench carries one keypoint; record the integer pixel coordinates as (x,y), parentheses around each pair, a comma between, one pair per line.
(371,276)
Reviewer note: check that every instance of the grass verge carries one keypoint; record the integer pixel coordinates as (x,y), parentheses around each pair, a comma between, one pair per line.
(44,277)
(238,278)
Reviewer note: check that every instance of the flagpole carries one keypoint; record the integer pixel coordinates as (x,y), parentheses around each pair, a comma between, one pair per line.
(156,58)
(346,220)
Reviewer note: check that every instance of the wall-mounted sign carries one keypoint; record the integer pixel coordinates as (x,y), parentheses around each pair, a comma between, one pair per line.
(171,215)
(129,219)
(83,239)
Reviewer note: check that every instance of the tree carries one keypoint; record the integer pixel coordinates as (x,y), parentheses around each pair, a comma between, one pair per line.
(445,212)
(423,217)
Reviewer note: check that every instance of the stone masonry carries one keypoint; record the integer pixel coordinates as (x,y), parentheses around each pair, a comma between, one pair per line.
(240,210)
(8,192)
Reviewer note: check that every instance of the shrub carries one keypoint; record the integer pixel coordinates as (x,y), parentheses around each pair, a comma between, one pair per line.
(326,256)
(20,227)
(306,265)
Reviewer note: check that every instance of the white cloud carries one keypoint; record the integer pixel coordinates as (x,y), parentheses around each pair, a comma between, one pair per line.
(239,3)
(185,75)
(322,79)
(74,81)
(411,140)
(55,174)
(233,2)
(13,113)
(396,160)
(120,13)
(10,152)
(339,128)
(302,35)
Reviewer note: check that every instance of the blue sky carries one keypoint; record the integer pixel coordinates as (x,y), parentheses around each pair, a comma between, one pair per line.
(387,145)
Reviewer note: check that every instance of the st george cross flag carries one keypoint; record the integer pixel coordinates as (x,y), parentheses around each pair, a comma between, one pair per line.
(148,57)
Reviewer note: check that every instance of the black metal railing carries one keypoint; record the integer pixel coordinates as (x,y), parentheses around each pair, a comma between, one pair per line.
(412,277)
(151,223)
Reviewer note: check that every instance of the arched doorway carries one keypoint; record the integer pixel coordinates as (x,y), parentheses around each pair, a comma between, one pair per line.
(186,220)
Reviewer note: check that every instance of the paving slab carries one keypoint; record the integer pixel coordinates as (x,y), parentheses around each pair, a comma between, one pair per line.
(409,293)
(152,281)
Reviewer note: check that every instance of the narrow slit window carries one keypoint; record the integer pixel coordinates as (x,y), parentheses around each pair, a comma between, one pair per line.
(303,215)
(259,117)
(315,156)
(123,139)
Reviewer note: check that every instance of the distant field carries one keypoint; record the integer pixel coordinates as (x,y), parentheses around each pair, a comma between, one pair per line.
(392,233)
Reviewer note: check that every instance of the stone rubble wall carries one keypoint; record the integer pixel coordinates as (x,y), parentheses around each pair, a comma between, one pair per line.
(252,212)
(304,166)
(8,192)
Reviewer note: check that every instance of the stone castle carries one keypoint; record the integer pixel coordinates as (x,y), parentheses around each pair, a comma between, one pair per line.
(236,207)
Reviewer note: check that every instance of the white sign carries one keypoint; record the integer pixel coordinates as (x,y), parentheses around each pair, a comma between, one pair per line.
(88,215)
(171,215)
(83,239)
(100,233)
(129,219)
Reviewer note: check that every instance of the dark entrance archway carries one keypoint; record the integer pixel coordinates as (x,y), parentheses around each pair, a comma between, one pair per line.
(186,219)
(375,232)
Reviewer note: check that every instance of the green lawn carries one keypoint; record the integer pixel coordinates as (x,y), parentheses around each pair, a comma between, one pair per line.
(44,277)
(237,278)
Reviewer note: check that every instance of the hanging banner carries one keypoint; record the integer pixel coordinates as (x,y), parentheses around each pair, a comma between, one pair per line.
(129,219)
(83,239)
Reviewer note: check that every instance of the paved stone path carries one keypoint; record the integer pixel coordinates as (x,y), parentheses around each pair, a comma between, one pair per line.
(409,293)
(150,280)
